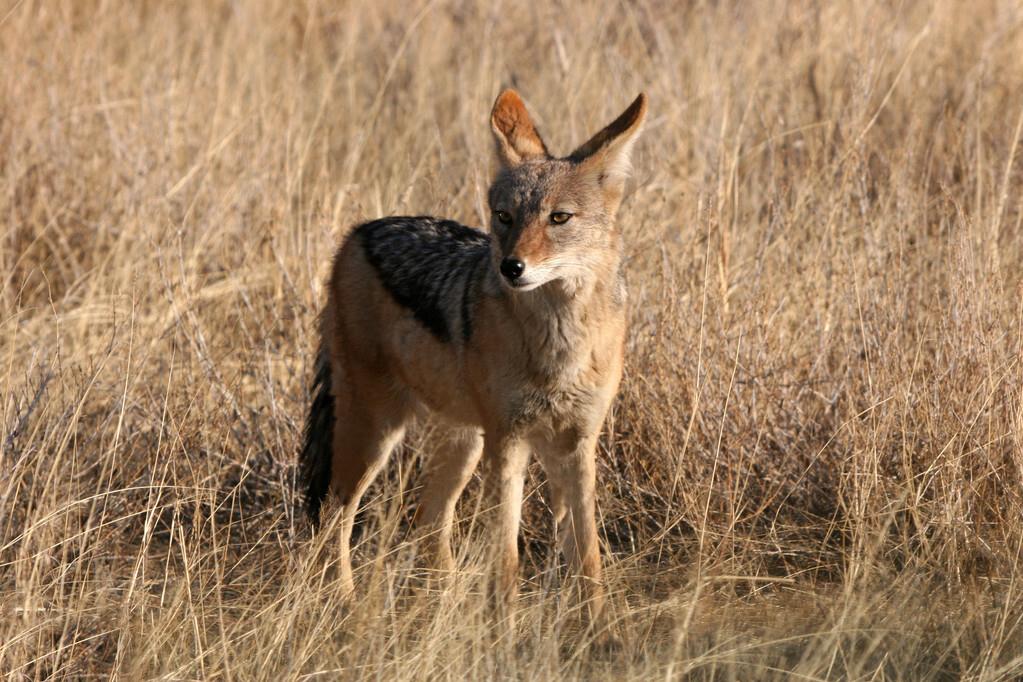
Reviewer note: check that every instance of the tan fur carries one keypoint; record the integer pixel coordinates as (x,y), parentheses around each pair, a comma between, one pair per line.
(516,136)
(537,376)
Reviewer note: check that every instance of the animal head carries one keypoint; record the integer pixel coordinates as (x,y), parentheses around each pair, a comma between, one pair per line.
(554,218)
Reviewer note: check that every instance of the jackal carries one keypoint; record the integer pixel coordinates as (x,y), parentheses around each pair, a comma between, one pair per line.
(514,340)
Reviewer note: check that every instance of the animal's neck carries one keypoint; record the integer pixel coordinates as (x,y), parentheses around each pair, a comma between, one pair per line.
(558,318)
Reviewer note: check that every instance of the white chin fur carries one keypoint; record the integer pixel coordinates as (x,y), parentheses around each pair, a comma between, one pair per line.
(528,285)
(538,279)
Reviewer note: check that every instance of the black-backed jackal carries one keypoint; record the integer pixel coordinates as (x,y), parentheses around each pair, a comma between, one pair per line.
(513,339)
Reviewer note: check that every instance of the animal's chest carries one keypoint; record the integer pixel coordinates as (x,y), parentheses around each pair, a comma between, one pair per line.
(556,394)
(552,370)
(542,408)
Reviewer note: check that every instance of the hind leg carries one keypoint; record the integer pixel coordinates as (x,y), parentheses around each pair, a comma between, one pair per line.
(370,422)
(455,454)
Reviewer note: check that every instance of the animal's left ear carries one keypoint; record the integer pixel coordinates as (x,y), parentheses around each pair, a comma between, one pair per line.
(608,152)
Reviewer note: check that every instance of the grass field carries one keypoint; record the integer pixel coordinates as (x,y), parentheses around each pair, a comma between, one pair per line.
(815,465)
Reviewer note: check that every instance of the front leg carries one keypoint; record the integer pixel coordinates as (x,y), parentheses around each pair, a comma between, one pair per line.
(505,461)
(455,455)
(570,463)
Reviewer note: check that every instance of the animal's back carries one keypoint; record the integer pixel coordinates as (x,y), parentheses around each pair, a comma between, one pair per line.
(429,267)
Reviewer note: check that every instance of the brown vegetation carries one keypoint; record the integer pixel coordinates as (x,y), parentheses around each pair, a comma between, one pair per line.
(815,467)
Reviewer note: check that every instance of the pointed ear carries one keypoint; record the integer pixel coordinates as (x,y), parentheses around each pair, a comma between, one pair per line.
(608,152)
(514,132)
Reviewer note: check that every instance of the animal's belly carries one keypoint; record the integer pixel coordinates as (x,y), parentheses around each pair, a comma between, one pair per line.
(433,372)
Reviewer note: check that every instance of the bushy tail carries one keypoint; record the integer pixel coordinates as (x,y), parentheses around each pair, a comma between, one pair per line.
(315,458)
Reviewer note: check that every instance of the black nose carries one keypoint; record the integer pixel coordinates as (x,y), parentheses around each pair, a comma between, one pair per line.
(512,268)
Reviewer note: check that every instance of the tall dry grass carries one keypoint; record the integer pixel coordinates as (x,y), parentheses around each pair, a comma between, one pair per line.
(813,468)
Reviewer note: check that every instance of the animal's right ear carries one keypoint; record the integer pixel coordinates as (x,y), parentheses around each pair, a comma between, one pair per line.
(516,137)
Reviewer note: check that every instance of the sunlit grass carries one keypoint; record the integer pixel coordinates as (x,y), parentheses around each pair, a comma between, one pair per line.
(814,466)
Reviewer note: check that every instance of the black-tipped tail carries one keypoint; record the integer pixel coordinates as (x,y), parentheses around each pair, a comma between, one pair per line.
(314,460)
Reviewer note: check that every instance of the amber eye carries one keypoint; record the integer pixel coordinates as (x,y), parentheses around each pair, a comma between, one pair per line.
(503,217)
(560,217)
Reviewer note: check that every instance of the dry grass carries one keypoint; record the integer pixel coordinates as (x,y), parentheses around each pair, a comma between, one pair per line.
(815,467)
